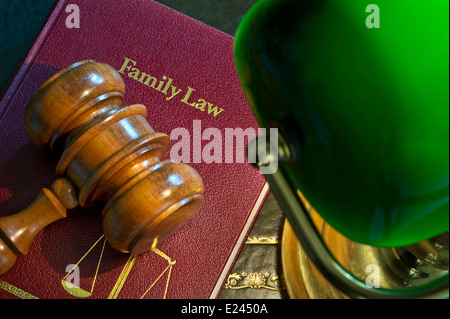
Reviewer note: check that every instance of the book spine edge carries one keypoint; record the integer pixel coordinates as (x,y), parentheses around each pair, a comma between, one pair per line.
(240,242)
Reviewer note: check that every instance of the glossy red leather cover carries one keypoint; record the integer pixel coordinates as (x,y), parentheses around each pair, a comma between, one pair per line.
(163,43)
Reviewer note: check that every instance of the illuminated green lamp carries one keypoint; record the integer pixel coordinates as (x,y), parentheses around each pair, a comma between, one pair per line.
(359,91)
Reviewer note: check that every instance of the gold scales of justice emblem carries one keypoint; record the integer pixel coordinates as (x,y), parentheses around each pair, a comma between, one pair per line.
(73,289)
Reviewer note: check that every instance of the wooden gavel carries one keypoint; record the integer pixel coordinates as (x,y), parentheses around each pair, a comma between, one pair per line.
(111,155)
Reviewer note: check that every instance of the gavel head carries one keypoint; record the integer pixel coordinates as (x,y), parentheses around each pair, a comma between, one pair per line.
(113,156)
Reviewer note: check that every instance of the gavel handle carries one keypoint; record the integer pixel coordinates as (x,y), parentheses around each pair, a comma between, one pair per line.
(18,231)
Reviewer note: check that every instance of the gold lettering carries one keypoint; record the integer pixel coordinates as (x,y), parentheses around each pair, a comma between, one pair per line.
(201,105)
(126,66)
(161,83)
(168,84)
(149,78)
(210,109)
(187,96)
(165,86)
(134,74)
(174,93)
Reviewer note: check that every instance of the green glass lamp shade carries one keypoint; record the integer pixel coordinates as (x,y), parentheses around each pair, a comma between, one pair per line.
(360,93)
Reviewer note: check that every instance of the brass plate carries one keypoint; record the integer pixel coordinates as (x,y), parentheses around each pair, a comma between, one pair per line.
(290,249)
(303,279)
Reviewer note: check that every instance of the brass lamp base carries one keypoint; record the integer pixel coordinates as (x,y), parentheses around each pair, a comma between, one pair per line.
(302,278)
(390,268)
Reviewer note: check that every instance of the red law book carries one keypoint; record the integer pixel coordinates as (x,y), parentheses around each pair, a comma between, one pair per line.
(183,71)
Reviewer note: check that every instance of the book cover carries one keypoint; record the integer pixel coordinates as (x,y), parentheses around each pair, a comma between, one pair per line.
(183,71)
